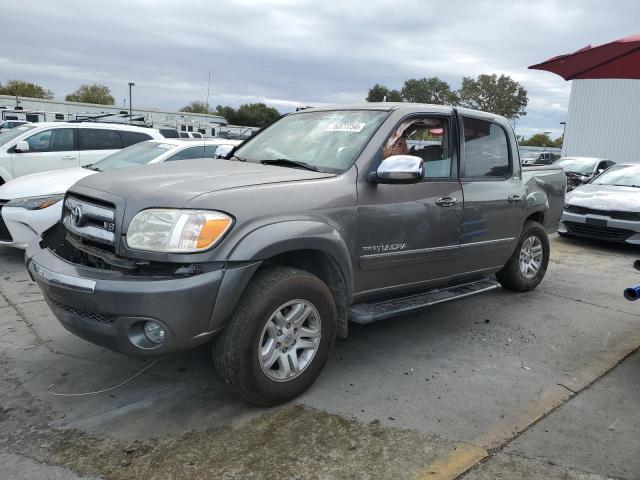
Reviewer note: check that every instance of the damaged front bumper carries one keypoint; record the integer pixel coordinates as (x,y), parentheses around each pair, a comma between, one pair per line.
(110,308)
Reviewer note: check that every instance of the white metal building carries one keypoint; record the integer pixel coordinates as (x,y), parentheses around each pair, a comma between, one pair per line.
(604,120)
(41,110)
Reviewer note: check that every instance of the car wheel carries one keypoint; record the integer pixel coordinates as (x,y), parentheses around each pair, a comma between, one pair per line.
(279,337)
(528,263)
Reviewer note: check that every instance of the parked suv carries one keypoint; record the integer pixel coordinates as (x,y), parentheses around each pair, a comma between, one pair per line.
(40,147)
(329,215)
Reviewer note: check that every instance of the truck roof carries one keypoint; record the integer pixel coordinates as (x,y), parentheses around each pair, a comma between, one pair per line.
(410,107)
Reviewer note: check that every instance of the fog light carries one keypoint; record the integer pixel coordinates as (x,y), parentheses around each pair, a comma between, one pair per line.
(154,332)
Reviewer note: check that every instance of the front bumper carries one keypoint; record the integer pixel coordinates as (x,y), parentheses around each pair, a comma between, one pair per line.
(110,309)
(600,227)
(23,226)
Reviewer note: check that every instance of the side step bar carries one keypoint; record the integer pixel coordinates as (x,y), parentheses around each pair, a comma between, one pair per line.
(368,312)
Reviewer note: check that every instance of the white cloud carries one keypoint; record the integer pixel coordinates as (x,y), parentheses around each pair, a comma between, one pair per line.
(289,53)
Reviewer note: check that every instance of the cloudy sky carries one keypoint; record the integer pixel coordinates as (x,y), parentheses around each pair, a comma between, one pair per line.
(288,53)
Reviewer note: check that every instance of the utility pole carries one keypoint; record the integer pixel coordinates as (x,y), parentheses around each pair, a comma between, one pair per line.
(131,84)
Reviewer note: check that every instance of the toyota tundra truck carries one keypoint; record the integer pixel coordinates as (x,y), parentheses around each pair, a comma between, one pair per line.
(329,216)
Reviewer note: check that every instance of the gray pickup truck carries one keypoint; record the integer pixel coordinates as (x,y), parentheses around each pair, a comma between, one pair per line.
(330,215)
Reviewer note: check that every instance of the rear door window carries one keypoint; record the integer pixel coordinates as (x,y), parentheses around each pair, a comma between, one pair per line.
(486,149)
(98,139)
(131,138)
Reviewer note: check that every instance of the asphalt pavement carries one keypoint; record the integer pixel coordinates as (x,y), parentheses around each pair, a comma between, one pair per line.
(500,385)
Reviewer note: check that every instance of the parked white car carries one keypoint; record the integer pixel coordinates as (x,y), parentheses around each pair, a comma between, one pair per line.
(41,147)
(31,204)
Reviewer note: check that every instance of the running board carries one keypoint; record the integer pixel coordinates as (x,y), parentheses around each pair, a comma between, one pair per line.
(368,312)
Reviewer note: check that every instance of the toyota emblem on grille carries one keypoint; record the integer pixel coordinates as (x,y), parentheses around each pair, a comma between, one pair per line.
(76,216)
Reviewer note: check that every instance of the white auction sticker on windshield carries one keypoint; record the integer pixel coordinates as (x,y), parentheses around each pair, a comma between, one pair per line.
(345,127)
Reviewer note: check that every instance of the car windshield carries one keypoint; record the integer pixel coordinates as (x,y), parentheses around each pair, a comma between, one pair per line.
(583,166)
(623,175)
(135,155)
(328,141)
(7,136)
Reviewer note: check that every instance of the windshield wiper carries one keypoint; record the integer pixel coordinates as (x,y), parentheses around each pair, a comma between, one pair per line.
(285,162)
(240,159)
(618,185)
(91,167)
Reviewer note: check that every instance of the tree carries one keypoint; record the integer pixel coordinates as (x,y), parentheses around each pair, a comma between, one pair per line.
(256,115)
(558,141)
(428,90)
(501,95)
(95,93)
(539,140)
(196,106)
(380,93)
(25,89)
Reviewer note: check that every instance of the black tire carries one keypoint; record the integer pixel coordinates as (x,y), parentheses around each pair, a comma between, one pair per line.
(235,351)
(511,277)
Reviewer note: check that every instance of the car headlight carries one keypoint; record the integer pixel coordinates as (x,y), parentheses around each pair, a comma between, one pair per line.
(35,203)
(167,230)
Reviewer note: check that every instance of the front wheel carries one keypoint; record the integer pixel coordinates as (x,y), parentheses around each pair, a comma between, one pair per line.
(279,337)
(528,263)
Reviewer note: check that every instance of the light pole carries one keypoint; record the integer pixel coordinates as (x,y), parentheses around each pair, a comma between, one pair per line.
(564,128)
(131,84)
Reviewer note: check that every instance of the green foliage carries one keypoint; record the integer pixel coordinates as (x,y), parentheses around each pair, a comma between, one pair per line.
(378,93)
(25,89)
(428,90)
(538,140)
(95,93)
(250,115)
(501,95)
(558,141)
(196,106)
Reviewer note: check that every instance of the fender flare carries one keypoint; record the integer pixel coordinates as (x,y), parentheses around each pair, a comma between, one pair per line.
(277,238)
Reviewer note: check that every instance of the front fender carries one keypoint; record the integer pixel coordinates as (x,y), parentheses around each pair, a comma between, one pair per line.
(277,238)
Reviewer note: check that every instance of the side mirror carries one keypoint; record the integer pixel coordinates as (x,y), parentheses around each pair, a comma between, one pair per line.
(21,147)
(600,170)
(399,169)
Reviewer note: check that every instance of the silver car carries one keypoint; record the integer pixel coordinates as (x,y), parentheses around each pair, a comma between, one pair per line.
(607,208)
(581,170)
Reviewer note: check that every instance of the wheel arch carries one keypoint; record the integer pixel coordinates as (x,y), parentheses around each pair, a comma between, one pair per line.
(313,246)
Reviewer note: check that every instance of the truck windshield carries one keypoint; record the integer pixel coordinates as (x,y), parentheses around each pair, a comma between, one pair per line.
(329,141)
(138,154)
(624,176)
(7,136)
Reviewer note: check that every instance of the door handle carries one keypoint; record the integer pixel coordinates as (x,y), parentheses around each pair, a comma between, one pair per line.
(446,201)
(515,198)
(69,157)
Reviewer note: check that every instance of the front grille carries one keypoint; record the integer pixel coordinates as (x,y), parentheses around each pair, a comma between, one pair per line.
(5,236)
(90,219)
(606,233)
(98,317)
(617,215)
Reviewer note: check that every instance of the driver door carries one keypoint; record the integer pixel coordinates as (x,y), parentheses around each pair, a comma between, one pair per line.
(408,234)
(50,149)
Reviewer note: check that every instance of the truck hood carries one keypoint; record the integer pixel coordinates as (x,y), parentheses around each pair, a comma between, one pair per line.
(606,197)
(173,184)
(41,184)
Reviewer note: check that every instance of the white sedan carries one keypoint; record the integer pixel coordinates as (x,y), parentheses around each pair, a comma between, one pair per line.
(31,204)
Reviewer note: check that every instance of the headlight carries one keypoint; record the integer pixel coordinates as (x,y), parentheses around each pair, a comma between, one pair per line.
(35,203)
(165,230)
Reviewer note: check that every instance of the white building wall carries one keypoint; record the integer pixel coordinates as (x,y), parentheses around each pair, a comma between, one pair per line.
(604,120)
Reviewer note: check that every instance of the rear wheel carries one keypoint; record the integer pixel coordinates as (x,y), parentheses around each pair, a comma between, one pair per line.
(528,263)
(279,337)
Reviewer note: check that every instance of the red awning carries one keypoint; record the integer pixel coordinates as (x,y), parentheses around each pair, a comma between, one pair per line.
(618,59)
